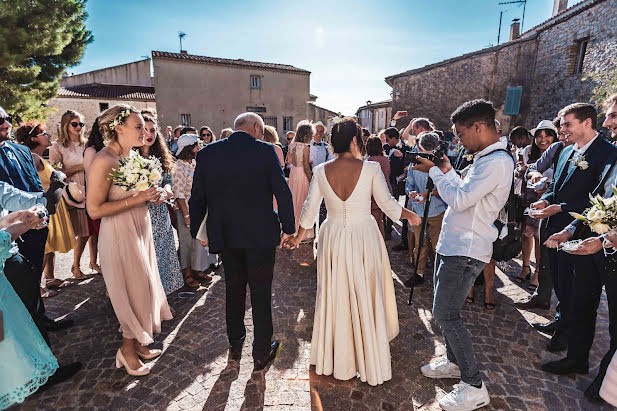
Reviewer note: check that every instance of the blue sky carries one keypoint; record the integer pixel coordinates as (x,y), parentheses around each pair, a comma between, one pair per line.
(349,46)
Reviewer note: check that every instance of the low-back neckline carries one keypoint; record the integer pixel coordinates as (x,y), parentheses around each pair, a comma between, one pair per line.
(354,187)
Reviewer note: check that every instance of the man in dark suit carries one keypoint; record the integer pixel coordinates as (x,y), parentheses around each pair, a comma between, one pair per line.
(395,149)
(234,181)
(581,168)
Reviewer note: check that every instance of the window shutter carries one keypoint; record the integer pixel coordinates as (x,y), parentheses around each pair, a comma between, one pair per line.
(513,101)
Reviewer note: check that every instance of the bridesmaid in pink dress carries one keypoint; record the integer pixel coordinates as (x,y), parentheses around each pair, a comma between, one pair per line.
(300,174)
(126,245)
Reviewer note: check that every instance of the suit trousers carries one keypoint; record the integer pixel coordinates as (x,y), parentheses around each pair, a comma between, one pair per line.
(31,246)
(545,287)
(253,267)
(25,280)
(590,274)
(562,276)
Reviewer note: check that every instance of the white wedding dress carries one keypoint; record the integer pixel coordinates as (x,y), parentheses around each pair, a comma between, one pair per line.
(355,308)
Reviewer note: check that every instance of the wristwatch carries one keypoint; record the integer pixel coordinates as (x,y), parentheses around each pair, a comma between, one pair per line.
(187,216)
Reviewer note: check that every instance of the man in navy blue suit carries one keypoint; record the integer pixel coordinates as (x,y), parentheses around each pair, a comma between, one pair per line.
(582,168)
(235,181)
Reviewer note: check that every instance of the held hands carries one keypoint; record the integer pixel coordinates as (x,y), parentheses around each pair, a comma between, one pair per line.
(557,239)
(289,241)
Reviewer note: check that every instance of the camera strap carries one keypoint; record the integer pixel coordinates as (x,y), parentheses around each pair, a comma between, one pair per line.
(511,203)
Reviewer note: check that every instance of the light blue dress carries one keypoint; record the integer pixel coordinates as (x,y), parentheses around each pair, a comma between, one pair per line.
(26,362)
(164,245)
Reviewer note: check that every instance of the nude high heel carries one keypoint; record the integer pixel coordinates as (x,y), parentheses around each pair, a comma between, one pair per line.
(152,355)
(121,362)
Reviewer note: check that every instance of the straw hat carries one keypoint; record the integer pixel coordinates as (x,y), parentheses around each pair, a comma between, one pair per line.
(75,195)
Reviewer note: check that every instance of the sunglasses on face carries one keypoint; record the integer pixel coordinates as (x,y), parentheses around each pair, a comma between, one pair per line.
(8,119)
(75,124)
(206,135)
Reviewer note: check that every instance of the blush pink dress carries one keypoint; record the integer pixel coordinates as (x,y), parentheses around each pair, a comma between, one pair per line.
(130,270)
(298,183)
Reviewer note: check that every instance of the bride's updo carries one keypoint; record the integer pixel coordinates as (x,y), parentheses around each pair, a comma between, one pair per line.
(112,117)
(343,133)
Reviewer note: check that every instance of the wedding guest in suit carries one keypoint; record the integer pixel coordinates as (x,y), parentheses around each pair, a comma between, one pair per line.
(69,151)
(61,237)
(300,174)
(128,257)
(248,255)
(164,245)
(581,168)
(395,151)
(593,270)
(194,259)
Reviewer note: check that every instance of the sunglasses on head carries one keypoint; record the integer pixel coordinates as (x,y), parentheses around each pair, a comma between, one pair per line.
(75,124)
(8,119)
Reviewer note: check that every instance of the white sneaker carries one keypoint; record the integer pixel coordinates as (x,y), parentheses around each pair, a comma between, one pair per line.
(442,368)
(465,397)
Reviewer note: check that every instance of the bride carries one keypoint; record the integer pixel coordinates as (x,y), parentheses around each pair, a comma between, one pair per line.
(355,312)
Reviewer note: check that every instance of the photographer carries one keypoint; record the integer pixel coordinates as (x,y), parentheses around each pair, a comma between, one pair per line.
(395,149)
(466,242)
(415,188)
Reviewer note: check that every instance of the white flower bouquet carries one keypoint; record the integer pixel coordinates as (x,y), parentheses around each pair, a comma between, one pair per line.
(137,172)
(602,215)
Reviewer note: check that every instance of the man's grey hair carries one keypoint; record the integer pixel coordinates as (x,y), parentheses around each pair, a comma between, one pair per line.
(428,140)
(247,120)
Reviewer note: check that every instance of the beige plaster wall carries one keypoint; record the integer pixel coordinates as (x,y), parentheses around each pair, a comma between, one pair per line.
(136,74)
(215,94)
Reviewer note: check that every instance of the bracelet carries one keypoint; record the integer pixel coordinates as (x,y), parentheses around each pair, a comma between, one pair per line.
(126,201)
(187,216)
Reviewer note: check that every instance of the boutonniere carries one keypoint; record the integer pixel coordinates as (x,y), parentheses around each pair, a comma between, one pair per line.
(580,163)
(468,157)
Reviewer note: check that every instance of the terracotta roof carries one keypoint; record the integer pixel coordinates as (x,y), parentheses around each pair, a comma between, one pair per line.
(109,91)
(229,62)
(563,15)
(377,104)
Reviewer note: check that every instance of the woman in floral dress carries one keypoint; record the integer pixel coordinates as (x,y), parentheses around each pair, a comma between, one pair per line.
(166,256)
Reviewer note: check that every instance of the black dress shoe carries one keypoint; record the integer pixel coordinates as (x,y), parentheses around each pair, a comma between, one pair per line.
(51,325)
(533,303)
(566,366)
(235,352)
(399,247)
(548,328)
(415,280)
(592,393)
(261,363)
(558,342)
(63,373)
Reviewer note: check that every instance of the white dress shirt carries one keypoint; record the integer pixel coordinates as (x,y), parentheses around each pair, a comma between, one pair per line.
(320,153)
(474,203)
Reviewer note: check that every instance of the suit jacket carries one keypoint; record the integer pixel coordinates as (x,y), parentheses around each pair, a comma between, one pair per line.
(24,157)
(235,180)
(397,164)
(570,189)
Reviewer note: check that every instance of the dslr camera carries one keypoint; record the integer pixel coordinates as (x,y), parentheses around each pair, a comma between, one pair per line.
(435,156)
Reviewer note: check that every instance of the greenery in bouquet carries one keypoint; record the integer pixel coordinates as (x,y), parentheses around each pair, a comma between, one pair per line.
(602,215)
(137,172)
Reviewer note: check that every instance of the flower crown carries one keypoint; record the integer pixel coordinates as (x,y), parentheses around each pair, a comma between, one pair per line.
(120,118)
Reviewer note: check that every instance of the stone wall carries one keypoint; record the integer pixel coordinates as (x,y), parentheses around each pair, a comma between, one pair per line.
(215,94)
(88,107)
(316,113)
(554,86)
(437,90)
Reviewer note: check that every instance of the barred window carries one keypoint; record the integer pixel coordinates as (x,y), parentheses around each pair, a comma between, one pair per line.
(256,82)
(185,120)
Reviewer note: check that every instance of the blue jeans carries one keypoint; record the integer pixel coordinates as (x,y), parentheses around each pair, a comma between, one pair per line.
(454,277)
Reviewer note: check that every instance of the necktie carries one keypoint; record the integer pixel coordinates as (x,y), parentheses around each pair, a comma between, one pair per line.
(11,166)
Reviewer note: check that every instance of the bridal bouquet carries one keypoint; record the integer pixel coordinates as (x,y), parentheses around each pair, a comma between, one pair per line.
(602,215)
(137,172)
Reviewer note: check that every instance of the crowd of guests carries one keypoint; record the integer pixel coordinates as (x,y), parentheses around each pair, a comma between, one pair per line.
(558,164)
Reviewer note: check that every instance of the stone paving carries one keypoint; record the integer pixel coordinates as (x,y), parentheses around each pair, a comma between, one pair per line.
(194,371)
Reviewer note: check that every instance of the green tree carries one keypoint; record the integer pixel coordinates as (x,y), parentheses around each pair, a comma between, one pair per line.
(606,85)
(39,40)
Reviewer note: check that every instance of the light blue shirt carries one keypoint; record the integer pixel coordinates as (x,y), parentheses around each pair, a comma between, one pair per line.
(416,181)
(14,199)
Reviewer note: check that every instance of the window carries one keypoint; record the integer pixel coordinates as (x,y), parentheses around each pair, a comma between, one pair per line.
(256,82)
(270,121)
(288,123)
(513,101)
(103,106)
(185,120)
(256,109)
(582,49)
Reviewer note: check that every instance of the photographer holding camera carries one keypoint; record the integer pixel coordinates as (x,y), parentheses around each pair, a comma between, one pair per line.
(466,242)
(415,188)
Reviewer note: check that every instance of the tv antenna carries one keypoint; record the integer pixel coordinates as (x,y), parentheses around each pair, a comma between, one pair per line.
(181,35)
(519,2)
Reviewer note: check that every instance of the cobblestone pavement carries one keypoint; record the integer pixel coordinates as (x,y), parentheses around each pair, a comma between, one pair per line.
(194,371)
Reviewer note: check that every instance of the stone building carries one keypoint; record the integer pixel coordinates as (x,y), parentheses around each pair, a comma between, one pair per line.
(375,116)
(529,78)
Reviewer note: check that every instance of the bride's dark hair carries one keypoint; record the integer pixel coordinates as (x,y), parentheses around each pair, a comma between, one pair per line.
(343,133)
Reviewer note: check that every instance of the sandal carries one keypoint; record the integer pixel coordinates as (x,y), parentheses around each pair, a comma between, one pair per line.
(201,275)
(96,268)
(469,300)
(520,279)
(489,306)
(57,283)
(532,287)
(46,292)
(80,276)
(190,282)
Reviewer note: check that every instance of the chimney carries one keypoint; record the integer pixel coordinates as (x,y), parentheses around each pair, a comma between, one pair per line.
(183,52)
(559,6)
(515,29)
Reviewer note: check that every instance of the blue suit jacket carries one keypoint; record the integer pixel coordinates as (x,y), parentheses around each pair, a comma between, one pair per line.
(571,189)
(24,157)
(235,181)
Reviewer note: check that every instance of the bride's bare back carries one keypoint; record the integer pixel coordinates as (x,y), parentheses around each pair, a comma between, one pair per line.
(343,175)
